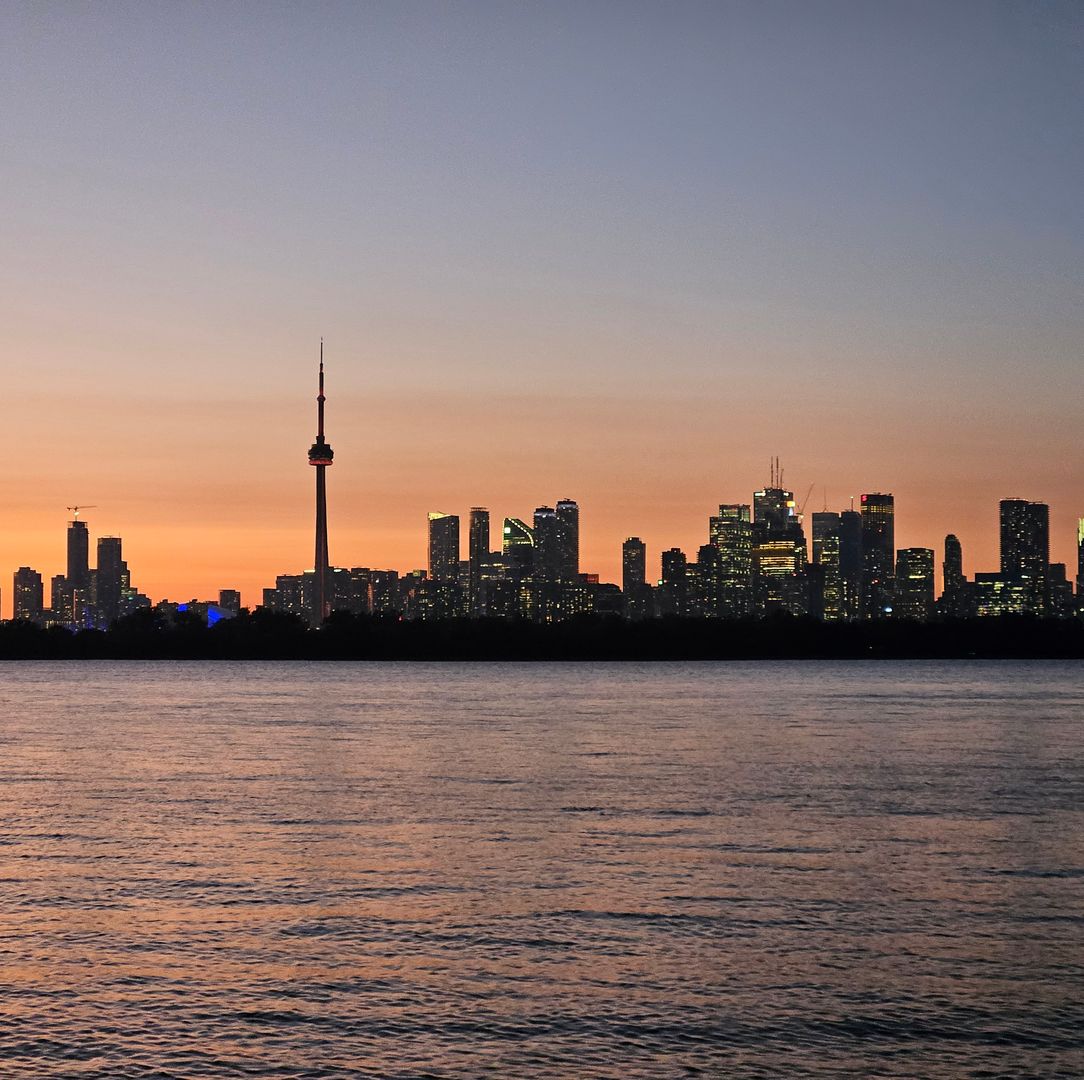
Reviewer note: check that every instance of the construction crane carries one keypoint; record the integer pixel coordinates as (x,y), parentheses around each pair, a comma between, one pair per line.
(83,506)
(801,509)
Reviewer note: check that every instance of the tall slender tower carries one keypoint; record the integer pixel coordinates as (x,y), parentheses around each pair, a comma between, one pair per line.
(320,455)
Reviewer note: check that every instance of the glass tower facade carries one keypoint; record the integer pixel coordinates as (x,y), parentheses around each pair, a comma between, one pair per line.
(443,547)
(878,554)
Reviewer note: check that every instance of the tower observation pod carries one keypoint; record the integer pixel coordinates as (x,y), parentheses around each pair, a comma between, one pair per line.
(321,455)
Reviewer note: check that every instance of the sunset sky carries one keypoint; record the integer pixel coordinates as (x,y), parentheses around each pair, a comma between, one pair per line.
(617,252)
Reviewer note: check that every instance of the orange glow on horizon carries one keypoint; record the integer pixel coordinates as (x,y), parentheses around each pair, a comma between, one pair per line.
(233,508)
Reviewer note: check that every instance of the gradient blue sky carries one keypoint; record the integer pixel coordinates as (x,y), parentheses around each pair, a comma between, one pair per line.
(617,252)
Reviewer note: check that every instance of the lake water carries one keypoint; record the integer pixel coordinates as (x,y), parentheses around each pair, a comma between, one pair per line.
(624,870)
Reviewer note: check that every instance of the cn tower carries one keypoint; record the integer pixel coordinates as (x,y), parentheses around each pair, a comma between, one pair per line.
(320,455)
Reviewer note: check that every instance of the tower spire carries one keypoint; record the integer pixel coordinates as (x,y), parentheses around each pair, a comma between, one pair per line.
(321,456)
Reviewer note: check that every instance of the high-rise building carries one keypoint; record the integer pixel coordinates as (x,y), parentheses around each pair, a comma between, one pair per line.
(634,587)
(850,563)
(1080,562)
(443,546)
(913,598)
(478,553)
(728,579)
(547,543)
(1025,550)
(29,595)
(568,517)
(517,545)
(1025,538)
(61,601)
(321,456)
(633,564)
(675,581)
(109,580)
(878,554)
(78,575)
(955,594)
(779,553)
(775,512)
(828,602)
(705,593)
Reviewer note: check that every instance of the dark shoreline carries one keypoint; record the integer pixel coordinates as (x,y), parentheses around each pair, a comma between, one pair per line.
(275,636)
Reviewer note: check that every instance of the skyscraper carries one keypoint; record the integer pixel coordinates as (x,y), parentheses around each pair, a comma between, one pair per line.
(878,554)
(320,456)
(1025,538)
(633,564)
(728,579)
(850,563)
(675,580)
(828,604)
(954,594)
(443,546)
(478,555)
(913,598)
(547,543)
(1080,563)
(517,545)
(779,552)
(637,592)
(568,517)
(1025,550)
(110,574)
(29,595)
(78,576)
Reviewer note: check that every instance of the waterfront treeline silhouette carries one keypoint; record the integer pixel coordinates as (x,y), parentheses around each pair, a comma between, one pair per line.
(272,635)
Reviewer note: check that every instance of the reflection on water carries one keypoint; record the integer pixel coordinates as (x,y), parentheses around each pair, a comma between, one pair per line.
(407,870)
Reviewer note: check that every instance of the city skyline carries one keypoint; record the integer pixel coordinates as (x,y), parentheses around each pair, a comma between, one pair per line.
(1062,548)
(758,557)
(556,252)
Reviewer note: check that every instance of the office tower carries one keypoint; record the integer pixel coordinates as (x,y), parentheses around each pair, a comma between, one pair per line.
(727,586)
(29,595)
(517,545)
(478,556)
(727,512)
(779,552)
(634,587)
(230,600)
(827,601)
(878,554)
(633,564)
(1025,538)
(109,580)
(955,593)
(1080,562)
(61,601)
(1025,550)
(675,580)
(320,456)
(774,510)
(705,585)
(443,546)
(913,597)
(78,576)
(850,563)
(547,543)
(568,517)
